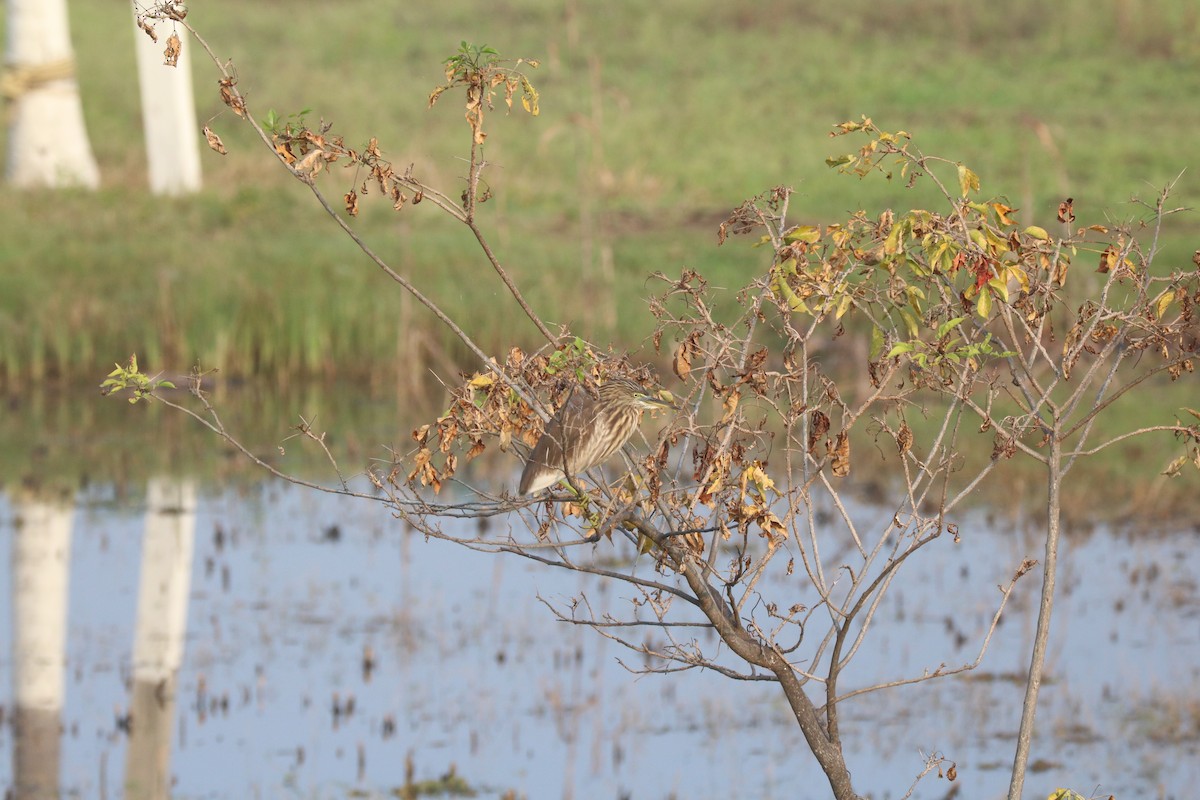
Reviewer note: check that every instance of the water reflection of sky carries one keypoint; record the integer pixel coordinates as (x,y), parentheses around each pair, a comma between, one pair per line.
(474,671)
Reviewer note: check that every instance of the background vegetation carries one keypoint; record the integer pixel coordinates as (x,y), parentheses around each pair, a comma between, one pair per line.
(654,124)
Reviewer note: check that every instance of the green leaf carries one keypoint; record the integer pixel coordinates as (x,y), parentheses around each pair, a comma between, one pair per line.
(1001,287)
(837,161)
(910,322)
(809,234)
(948,326)
(876,342)
(790,297)
(901,347)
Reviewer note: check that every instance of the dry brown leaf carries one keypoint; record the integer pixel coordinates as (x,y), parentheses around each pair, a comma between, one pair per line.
(730,405)
(840,455)
(1003,447)
(818,426)
(231,98)
(174,47)
(311,164)
(213,140)
(682,363)
(148,28)
(1065,211)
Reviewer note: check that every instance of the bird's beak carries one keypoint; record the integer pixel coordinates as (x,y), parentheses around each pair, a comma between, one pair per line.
(664,398)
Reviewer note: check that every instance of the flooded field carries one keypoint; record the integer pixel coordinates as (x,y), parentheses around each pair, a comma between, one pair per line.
(275,642)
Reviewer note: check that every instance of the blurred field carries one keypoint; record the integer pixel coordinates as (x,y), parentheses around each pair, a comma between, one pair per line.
(655,121)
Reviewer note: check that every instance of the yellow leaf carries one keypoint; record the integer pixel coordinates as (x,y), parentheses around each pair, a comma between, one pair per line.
(529,97)
(1173,469)
(1018,274)
(915,296)
(1037,233)
(1162,303)
(844,305)
(967,180)
(983,307)
(1108,259)
(1003,213)
(482,381)
(755,473)
(892,245)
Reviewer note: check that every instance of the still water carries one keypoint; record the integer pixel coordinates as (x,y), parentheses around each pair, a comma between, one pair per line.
(276,642)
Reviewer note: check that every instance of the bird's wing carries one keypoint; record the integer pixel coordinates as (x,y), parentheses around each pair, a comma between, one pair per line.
(546,466)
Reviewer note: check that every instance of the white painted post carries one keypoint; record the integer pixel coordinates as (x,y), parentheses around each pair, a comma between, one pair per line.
(165,582)
(166,579)
(47,140)
(168,114)
(41,560)
(41,568)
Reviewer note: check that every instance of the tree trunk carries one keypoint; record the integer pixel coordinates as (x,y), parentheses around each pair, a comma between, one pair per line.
(827,751)
(1042,636)
(168,116)
(47,140)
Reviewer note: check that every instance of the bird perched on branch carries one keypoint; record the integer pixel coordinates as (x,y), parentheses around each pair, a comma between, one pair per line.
(586,431)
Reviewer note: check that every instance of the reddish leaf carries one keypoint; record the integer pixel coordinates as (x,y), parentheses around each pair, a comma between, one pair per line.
(1065,211)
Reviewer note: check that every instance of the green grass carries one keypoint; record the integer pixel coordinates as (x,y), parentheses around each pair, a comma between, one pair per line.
(654,123)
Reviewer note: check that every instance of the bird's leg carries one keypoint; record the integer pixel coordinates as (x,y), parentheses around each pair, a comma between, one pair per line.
(584,502)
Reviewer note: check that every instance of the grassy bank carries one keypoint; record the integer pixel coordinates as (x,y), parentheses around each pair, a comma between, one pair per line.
(653,124)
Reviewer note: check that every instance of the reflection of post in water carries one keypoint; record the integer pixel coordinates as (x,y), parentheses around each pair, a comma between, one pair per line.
(41,557)
(158,640)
